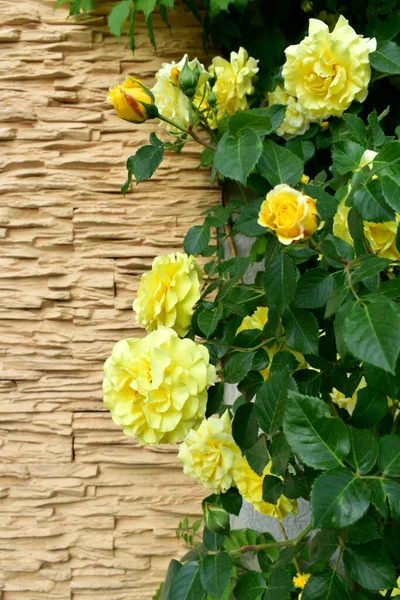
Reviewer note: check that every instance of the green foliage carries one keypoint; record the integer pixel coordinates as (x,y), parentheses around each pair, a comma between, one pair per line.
(319,382)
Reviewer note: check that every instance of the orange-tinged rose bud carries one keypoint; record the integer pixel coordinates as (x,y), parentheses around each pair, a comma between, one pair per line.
(132,101)
(289,213)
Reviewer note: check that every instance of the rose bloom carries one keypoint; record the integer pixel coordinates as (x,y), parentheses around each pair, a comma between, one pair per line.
(208,453)
(327,71)
(170,99)
(234,82)
(382,238)
(129,99)
(167,294)
(257,320)
(289,213)
(156,387)
(297,120)
(250,485)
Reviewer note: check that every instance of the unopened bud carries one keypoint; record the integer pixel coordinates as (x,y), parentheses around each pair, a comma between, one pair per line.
(216,519)
(188,79)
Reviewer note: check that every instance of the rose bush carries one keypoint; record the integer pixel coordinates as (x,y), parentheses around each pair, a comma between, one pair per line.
(309,155)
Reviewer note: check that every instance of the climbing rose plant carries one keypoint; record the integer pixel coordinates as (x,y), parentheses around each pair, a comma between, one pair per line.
(311,176)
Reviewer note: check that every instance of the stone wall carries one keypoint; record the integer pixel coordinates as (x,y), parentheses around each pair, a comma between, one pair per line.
(86,514)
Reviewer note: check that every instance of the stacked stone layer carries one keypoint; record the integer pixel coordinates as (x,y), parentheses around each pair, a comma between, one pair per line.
(86,514)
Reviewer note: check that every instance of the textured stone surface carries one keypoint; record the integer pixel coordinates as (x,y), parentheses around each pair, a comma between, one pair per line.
(86,514)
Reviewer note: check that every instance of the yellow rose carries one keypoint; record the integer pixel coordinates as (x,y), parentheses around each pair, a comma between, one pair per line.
(382,238)
(300,580)
(132,101)
(395,591)
(297,120)
(233,82)
(340,227)
(208,453)
(327,71)
(289,213)
(156,387)
(250,485)
(168,293)
(347,403)
(170,99)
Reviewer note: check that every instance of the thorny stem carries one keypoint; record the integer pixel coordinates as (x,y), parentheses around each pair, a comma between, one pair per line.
(231,243)
(295,561)
(350,284)
(199,139)
(257,547)
(189,131)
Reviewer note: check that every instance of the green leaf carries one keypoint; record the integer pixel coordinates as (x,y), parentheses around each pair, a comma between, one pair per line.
(326,585)
(257,456)
(326,204)
(256,119)
(314,288)
(346,156)
(308,381)
(392,490)
(186,584)
(231,501)
(147,6)
(250,586)
(279,165)
(372,333)
(390,185)
(371,407)
(338,499)
(147,159)
(279,585)
(212,541)
(244,427)
(118,15)
(207,157)
(365,530)
(320,441)
(272,489)
(276,113)
(215,574)
(280,281)
(364,450)
(378,496)
(305,150)
(389,455)
(236,157)
(323,545)
(369,567)
(301,329)
(237,366)
(246,222)
(370,203)
(271,400)
(209,318)
(173,568)
(386,59)
(196,239)
(369,267)
(240,537)
(355,128)
(279,452)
